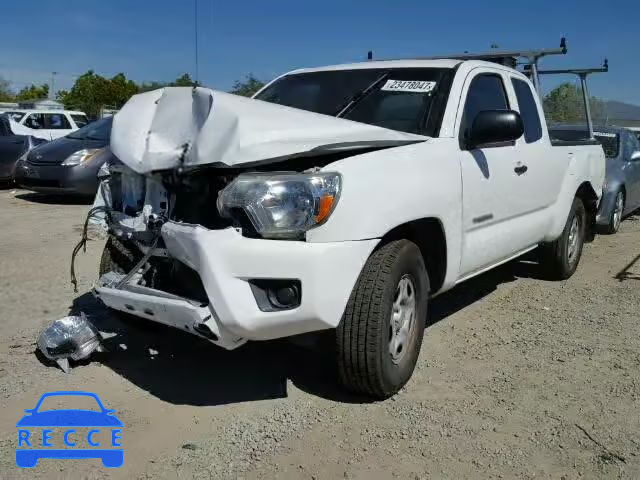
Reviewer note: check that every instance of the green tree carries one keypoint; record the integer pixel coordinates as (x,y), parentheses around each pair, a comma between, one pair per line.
(120,90)
(6,95)
(33,92)
(565,104)
(248,87)
(148,86)
(91,92)
(183,81)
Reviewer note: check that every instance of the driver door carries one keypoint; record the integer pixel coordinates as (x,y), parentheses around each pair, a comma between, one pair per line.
(494,223)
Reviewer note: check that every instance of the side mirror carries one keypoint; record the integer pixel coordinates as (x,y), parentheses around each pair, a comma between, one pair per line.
(494,127)
(635,156)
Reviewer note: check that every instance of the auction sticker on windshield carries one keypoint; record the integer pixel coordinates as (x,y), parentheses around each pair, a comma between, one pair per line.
(91,431)
(413,86)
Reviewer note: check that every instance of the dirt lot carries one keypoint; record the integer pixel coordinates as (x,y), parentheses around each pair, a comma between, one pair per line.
(518,377)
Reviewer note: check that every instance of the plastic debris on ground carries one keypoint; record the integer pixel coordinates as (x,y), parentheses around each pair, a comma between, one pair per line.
(72,338)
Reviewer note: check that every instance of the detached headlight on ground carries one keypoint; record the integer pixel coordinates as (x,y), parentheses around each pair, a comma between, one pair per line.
(281,205)
(81,156)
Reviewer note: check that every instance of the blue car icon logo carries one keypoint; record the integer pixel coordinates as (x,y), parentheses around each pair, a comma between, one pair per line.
(35,432)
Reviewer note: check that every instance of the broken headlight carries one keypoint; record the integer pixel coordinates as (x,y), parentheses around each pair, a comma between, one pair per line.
(281,205)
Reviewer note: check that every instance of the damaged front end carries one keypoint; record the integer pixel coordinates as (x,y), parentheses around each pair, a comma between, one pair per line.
(137,273)
(207,203)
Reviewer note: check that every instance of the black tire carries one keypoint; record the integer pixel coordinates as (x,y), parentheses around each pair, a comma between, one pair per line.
(614,223)
(365,364)
(555,258)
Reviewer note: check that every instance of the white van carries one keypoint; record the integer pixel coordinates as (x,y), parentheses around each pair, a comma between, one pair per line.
(52,123)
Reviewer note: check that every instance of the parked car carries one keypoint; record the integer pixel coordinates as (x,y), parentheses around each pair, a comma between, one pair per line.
(621,188)
(53,123)
(339,198)
(12,147)
(68,165)
(621,192)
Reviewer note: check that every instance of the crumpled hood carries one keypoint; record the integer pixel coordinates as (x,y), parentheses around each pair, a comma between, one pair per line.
(184,126)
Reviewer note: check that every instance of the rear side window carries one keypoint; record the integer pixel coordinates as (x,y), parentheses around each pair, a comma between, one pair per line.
(80,120)
(57,121)
(486,92)
(528,111)
(610,143)
(632,143)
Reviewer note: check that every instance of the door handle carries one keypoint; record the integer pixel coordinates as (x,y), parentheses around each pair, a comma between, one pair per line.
(521,169)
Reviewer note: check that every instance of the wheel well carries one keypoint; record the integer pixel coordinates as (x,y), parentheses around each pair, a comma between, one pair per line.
(587,194)
(428,235)
(589,198)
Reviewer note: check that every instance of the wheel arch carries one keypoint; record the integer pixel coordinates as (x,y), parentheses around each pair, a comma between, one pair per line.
(429,235)
(590,199)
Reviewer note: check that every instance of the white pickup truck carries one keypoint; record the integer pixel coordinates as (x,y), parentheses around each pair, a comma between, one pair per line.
(341,198)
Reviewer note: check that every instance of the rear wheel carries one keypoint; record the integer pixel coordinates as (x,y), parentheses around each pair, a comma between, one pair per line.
(560,258)
(380,334)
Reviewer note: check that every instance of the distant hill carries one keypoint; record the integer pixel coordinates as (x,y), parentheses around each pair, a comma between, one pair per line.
(622,111)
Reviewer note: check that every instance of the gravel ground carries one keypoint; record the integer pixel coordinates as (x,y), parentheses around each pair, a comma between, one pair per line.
(518,377)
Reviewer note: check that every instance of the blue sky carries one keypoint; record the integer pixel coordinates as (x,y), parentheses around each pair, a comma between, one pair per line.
(153,40)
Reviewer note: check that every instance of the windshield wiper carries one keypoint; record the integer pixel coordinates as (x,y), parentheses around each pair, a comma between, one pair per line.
(356,98)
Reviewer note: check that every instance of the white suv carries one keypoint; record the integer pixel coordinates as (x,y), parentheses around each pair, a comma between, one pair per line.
(53,123)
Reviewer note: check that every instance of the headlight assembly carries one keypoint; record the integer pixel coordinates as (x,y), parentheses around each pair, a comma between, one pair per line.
(281,205)
(81,156)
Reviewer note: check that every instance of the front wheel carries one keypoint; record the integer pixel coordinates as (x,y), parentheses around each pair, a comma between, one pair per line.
(560,258)
(616,215)
(380,334)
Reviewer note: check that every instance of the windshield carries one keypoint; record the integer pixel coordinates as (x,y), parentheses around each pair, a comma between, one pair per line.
(610,143)
(16,116)
(404,99)
(100,130)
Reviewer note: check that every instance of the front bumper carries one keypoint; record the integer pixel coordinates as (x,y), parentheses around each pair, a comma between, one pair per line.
(77,180)
(226,261)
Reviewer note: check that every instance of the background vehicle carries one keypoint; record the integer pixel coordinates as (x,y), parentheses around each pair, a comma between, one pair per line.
(621,188)
(621,191)
(69,164)
(403,178)
(12,147)
(54,123)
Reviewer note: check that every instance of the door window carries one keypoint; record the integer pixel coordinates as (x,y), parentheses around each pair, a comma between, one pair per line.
(486,92)
(35,121)
(528,111)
